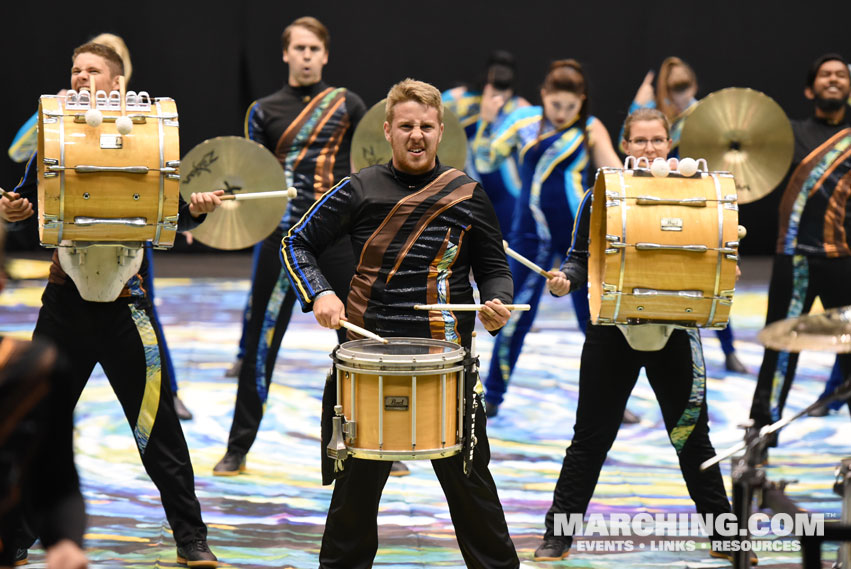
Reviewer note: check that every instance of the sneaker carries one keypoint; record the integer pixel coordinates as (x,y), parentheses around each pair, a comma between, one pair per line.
(196,554)
(820,411)
(734,364)
(728,556)
(22,555)
(399,469)
(552,549)
(183,413)
(233,371)
(630,418)
(231,464)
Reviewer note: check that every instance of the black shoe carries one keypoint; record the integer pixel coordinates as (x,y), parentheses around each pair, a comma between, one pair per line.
(196,554)
(552,549)
(734,364)
(399,469)
(491,409)
(183,413)
(630,418)
(233,371)
(820,411)
(231,464)
(21,556)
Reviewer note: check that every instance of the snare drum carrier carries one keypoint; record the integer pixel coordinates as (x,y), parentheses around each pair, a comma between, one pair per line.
(662,250)
(102,194)
(401,400)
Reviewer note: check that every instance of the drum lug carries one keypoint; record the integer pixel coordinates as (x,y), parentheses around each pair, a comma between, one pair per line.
(51,222)
(337,448)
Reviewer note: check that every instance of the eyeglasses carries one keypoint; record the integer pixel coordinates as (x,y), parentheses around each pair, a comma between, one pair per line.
(656,142)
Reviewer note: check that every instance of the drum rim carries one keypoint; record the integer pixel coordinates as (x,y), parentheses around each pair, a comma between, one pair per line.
(347,352)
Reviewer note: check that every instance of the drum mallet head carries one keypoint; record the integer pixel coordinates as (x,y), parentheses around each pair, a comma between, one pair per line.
(687,167)
(94,117)
(660,168)
(124,124)
(742,232)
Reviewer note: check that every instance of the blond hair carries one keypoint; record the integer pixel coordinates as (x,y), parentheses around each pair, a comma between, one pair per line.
(645,114)
(413,90)
(118,45)
(310,24)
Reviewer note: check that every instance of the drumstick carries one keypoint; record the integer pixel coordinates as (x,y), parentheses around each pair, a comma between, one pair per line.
(8,195)
(122,92)
(467,307)
(362,331)
(524,261)
(290,193)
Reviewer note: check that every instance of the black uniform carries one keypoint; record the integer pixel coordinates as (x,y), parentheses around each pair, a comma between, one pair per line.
(417,237)
(608,371)
(121,337)
(813,257)
(39,487)
(309,129)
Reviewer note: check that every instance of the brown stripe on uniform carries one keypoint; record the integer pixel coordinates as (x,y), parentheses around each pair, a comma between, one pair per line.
(796,182)
(835,238)
(457,195)
(297,124)
(376,246)
(324,175)
(332,107)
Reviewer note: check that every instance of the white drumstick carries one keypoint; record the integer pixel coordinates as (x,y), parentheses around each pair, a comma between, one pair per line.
(524,261)
(467,307)
(290,193)
(363,331)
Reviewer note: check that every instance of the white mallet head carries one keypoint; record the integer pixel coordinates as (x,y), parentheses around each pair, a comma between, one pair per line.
(94,117)
(659,168)
(124,124)
(687,167)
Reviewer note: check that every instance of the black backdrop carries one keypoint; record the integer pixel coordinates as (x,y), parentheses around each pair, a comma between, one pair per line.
(215,57)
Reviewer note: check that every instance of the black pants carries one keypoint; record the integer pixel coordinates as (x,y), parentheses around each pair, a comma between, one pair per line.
(119,336)
(608,372)
(271,306)
(351,530)
(795,283)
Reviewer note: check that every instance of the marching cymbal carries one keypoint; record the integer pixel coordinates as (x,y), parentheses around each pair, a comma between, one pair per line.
(829,331)
(238,166)
(369,146)
(744,132)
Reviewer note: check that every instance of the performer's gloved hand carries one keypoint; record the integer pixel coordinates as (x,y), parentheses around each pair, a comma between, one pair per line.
(15,209)
(646,93)
(204,202)
(558,283)
(328,310)
(494,315)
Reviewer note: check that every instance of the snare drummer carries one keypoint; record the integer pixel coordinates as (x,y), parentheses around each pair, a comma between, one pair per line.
(418,227)
(609,369)
(119,335)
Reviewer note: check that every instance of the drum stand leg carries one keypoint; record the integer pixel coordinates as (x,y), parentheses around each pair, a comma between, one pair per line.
(747,478)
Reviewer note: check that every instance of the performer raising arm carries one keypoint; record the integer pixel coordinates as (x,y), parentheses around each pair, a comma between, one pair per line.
(417,228)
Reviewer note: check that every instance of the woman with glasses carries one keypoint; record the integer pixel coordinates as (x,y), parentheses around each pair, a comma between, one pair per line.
(558,146)
(608,371)
(674,95)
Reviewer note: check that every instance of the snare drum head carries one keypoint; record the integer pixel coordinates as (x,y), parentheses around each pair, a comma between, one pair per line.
(400,351)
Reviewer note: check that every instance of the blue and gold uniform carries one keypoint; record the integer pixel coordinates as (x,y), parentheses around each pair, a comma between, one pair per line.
(555,168)
(502,185)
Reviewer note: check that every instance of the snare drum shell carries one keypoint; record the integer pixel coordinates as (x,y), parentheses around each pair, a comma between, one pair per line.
(618,271)
(66,141)
(392,422)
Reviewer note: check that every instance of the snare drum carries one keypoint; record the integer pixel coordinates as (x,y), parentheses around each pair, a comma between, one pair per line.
(97,185)
(402,400)
(663,250)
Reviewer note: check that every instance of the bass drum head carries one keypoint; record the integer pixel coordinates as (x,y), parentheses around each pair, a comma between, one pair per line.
(597,247)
